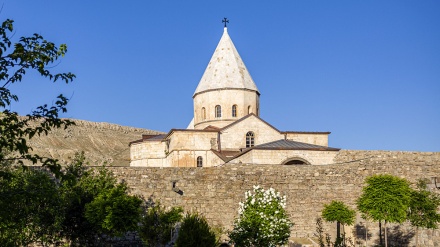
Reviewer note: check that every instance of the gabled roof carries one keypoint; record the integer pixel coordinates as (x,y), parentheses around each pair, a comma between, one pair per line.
(188,130)
(226,69)
(246,117)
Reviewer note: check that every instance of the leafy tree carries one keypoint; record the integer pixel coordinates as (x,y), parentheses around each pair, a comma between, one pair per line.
(95,204)
(79,186)
(385,198)
(339,212)
(29,208)
(195,232)
(158,223)
(423,207)
(114,212)
(262,219)
(32,53)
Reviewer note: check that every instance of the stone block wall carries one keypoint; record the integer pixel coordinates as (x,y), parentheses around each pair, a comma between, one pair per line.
(216,191)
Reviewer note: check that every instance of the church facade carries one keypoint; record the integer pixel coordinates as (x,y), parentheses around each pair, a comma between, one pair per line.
(227,128)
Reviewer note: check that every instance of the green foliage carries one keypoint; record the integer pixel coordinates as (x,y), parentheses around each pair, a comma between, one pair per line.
(262,219)
(114,212)
(339,212)
(79,187)
(195,232)
(385,198)
(29,208)
(324,239)
(95,204)
(320,232)
(36,208)
(28,54)
(157,224)
(423,207)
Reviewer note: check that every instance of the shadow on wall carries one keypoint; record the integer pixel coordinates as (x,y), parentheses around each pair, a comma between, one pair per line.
(360,231)
(398,236)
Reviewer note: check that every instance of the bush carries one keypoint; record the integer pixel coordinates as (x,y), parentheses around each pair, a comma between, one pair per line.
(262,220)
(195,232)
(158,224)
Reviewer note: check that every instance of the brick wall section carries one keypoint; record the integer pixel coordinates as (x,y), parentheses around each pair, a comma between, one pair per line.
(216,191)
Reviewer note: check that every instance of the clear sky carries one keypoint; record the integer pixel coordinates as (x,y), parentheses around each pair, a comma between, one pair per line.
(368,71)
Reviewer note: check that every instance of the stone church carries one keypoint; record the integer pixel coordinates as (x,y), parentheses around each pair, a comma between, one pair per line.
(227,128)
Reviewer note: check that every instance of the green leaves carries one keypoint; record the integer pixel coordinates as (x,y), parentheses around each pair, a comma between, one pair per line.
(423,207)
(29,53)
(30,208)
(339,212)
(195,232)
(158,223)
(114,212)
(262,219)
(385,197)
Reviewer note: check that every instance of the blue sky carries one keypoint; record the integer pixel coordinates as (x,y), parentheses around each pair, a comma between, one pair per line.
(368,71)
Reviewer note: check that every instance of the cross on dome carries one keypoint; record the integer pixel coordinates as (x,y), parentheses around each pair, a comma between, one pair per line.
(225,20)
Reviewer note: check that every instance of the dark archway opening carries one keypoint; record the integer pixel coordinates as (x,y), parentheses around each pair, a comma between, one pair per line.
(296,161)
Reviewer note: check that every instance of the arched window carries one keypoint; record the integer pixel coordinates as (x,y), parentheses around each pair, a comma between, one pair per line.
(250,139)
(203,113)
(234,111)
(199,161)
(218,111)
(249,109)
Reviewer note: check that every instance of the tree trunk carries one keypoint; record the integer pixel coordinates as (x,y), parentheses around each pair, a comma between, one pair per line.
(380,233)
(386,237)
(366,234)
(338,230)
(417,236)
(343,232)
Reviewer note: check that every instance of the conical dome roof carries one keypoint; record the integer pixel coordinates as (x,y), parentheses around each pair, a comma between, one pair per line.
(226,69)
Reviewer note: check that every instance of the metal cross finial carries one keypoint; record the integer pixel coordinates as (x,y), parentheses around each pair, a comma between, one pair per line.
(225,20)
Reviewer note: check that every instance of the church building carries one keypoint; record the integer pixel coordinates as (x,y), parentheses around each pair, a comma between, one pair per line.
(227,128)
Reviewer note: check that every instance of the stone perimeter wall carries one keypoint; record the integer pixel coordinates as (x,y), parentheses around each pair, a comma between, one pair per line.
(216,191)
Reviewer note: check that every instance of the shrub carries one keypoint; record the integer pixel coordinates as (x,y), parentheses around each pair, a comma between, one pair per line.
(262,219)
(158,223)
(195,232)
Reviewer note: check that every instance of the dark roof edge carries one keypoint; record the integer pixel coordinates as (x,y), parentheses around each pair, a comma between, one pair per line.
(188,130)
(298,148)
(306,132)
(247,116)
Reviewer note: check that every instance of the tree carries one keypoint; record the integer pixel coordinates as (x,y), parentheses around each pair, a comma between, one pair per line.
(195,232)
(423,208)
(262,219)
(28,54)
(29,208)
(95,204)
(114,212)
(157,224)
(339,212)
(385,198)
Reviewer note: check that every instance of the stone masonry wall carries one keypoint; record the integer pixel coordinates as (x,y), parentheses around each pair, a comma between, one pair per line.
(216,191)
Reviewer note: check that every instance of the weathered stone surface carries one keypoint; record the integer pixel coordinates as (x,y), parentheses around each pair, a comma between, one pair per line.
(216,191)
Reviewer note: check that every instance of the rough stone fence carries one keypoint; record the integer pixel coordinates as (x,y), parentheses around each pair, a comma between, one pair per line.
(216,191)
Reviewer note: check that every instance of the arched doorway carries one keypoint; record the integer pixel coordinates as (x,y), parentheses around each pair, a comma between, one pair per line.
(295,161)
